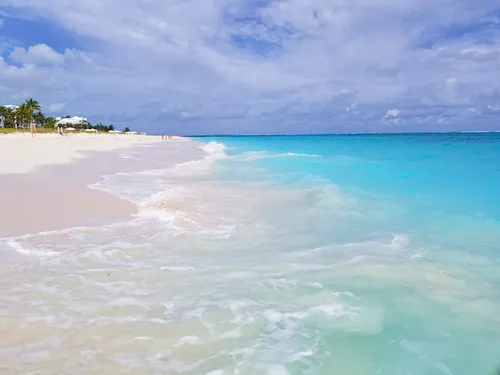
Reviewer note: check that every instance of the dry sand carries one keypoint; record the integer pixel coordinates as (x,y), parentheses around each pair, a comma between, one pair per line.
(44,180)
(21,153)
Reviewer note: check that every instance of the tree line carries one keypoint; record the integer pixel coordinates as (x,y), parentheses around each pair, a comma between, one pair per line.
(30,112)
(23,115)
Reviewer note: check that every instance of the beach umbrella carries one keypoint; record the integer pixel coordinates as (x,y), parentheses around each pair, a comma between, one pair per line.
(90,130)
(70,129)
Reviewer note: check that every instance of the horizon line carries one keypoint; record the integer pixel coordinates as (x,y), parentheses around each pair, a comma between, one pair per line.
(326,134)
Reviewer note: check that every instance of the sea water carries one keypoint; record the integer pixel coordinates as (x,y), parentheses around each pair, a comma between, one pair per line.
(349,255)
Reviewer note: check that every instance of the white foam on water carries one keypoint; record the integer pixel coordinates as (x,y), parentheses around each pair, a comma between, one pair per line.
(162,215)
(156,192)
(261,155)
(316,285)
(138,188)
(143,338)
(401,241)
(282,284)
(215,152)
(178,268)
(189,340)
(216,372)
(16,246)
(300,355)
(333,310)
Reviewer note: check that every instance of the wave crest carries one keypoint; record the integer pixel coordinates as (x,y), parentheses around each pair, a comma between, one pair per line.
(260,155)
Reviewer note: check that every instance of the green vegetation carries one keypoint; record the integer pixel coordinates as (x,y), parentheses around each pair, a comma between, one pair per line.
(10,117)
(28,112)
(18,119)
(21,130)
(32,106)
(5,113)
(102,127)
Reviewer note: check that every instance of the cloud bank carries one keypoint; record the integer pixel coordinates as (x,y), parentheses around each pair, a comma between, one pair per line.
(261,66)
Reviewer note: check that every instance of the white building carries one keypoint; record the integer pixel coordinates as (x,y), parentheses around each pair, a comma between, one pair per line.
(75,120)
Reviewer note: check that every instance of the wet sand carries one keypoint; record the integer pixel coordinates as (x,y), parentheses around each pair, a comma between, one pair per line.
(57,196)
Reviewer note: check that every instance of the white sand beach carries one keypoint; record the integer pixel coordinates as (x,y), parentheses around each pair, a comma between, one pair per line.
(52,212)
(45,179)
(21,153)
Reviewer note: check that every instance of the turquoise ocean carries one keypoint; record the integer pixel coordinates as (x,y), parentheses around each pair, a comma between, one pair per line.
(400,234)
(299,255)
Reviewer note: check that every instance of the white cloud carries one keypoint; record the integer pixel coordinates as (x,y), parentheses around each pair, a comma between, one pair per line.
(40,54)
(231,61)
(392,113)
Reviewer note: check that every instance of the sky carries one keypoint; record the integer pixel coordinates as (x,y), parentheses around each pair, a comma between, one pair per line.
(257,66)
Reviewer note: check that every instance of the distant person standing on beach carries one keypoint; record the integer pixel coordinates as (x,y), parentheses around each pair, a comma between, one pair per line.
(33,129)
(32,105)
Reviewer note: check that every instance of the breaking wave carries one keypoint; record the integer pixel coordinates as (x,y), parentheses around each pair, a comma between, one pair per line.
(261,155)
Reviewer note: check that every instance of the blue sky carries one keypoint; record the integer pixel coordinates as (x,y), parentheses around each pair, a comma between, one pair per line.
(257,66)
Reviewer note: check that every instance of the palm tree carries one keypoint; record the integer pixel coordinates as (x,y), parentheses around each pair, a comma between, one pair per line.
(39,118)
(32,106)
(21,113)
(4,111)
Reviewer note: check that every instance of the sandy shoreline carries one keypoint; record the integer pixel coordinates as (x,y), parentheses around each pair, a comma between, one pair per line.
(45,179)
(20,153)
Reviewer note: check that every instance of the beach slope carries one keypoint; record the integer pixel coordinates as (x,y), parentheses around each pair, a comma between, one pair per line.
(45,180)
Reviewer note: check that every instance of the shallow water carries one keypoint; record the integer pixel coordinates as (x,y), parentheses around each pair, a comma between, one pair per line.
(273,255)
